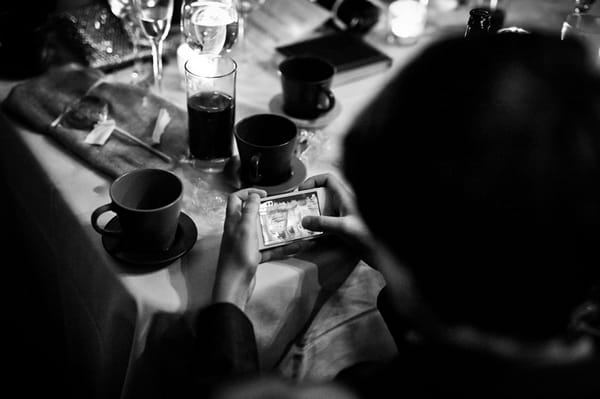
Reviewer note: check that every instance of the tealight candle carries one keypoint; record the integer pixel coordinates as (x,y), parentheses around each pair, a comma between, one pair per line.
(406,20)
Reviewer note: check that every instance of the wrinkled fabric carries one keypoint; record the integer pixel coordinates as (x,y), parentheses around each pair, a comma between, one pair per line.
(39,101)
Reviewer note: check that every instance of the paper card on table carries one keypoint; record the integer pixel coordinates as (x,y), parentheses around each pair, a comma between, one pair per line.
(101,132)
(162,120)
(282,21)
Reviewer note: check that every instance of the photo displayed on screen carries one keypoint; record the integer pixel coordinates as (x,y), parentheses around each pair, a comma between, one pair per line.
(281,219)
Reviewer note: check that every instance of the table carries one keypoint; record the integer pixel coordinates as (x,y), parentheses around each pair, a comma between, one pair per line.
(106,310)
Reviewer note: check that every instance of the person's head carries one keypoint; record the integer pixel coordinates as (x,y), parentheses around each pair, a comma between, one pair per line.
(478,166)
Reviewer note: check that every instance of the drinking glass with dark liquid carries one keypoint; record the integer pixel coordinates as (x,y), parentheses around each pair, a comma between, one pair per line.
(210,86)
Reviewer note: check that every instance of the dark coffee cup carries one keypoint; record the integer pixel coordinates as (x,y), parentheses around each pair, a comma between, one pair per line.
(305,83)
(148,204)
(266,144)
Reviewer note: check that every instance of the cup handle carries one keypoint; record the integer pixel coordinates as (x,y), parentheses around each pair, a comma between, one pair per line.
(329,103)
(96,214)
(254,173)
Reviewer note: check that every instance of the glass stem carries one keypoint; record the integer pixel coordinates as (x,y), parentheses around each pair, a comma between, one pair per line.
(242,31)
(157,63)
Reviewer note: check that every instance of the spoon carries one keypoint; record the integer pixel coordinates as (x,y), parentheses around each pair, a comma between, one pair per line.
(91,110)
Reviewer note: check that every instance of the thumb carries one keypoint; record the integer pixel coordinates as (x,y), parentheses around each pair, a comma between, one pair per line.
(327,224)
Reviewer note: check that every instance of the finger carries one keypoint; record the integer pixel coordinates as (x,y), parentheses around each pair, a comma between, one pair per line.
(234,203)
(286,251)
(322,223)
(243,194)
(335,184)
(250,210)
(315,181)
(236,199)
(261,193)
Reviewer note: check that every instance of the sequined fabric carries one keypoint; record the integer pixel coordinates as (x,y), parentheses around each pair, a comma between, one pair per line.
(96,36)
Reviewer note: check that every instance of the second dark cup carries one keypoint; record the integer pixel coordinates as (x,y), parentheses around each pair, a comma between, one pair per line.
(266,144)
(148,204)
(306,86)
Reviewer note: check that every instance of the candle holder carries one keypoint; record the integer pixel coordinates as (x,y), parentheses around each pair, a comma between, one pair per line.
(406,20)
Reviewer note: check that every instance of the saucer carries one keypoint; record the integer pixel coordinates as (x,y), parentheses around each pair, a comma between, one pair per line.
(185,238)
(297,177)
(276,106)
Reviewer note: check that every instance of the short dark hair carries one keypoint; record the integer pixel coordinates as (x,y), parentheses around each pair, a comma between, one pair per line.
(479,166)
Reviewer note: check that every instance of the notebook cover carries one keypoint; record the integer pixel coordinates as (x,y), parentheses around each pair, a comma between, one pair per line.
(349,53)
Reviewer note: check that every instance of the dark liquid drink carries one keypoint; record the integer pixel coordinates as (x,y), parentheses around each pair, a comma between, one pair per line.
(210,123)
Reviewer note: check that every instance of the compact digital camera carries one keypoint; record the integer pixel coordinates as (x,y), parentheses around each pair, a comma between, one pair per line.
(281,216)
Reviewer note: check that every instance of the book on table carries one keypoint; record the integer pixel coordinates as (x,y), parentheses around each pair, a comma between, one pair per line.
(353,57)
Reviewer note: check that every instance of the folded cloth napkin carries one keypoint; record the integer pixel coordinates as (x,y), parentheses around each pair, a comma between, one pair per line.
(39,101)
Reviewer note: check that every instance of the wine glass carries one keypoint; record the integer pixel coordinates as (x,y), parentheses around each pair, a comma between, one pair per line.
(155,19)
(209,26)
(245,8)
(123,9)
(583,6)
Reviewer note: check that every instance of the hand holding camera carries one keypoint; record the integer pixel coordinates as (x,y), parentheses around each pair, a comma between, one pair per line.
(259,228)
(342,217)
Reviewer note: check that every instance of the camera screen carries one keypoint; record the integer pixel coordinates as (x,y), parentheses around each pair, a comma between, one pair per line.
(281,219)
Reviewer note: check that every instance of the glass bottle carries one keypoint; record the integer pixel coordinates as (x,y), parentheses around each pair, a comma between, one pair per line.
(497,9)
(479,23)
(583,6)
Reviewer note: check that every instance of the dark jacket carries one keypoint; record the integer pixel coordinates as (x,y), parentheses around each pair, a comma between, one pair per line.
(194,355)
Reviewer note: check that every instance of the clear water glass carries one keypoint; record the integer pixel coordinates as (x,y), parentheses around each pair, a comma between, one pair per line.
(209,26)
